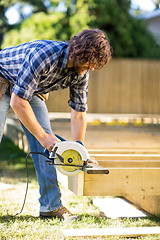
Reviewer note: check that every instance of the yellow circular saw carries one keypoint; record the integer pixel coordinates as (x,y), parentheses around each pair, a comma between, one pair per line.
(69,157)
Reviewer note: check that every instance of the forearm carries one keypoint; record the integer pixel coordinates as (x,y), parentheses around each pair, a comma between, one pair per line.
(78,125)
(26,115)
(78,128)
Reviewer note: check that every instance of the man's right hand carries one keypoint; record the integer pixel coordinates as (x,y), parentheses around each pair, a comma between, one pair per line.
(49,141)
(26,115)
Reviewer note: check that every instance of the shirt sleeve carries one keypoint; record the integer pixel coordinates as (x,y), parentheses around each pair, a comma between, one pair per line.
(29,74)
(79,93)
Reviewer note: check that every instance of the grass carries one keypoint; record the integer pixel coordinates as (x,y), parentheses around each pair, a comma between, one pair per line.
(28,225)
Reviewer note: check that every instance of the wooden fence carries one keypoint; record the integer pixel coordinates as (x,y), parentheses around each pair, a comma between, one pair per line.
(122,86)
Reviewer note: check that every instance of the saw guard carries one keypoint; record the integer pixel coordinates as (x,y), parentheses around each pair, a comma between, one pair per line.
(76,151)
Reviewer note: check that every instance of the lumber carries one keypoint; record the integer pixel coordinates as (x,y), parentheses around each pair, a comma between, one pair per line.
(93,168)
(122,182)
(129,163)
(104,156)
(118,207)
(151,203)
(121,232)
(125,150)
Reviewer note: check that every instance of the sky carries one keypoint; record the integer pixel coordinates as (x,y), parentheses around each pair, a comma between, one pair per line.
(145,5)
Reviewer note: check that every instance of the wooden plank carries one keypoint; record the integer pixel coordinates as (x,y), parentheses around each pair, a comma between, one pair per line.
(76,183)
(118,207)
(122,182)
(104,156)
(150,204)
(120,232)
(127,160)
(125,150)
(126,156)
(129,163)
(93,168)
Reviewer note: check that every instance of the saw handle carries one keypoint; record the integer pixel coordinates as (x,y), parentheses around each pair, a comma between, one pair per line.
(46,152)
(62,139)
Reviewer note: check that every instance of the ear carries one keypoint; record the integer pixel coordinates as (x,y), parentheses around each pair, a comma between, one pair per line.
(70,61)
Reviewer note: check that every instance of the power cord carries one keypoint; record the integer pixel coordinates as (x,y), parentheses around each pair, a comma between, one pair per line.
(51,162)
(27,183)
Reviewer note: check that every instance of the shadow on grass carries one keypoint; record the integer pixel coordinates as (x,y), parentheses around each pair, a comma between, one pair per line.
(9,218)
(13,161)
(17,171)
(145,222)
(11,153)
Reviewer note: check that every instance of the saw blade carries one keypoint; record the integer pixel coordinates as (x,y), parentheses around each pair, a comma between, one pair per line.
(71,157)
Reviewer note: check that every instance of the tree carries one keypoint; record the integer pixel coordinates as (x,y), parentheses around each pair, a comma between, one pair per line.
(55,24)
(157,3)
(128,35)
(38,5)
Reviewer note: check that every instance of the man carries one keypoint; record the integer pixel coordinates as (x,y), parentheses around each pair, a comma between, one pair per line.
(31,70)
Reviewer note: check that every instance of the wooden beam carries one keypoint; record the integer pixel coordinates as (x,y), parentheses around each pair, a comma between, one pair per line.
(105,156)
(122,182)
(137,163)
(125,150)
(150,204)
(93,168)
(76,183)
(119,232)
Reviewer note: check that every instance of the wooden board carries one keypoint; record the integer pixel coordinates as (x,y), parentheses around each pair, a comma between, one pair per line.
(121,232)
(105,156)
(123,181)
(132,158)
(124,150)
(127,160)
(150,203)
(118,207)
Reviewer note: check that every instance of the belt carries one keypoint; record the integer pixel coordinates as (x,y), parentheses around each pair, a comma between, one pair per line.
(4,84)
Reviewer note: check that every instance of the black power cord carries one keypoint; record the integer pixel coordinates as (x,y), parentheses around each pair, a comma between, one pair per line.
(27,183)
(51,162)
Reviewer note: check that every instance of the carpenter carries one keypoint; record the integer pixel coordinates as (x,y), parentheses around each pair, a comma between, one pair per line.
(28,72)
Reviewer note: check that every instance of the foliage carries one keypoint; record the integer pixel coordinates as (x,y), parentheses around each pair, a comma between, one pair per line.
(38,5)
(54,25)
(47,26)
(157,3)
(62,19)
(128,35)
(10,152)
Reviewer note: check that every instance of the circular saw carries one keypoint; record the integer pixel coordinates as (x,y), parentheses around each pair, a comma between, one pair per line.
(69,157)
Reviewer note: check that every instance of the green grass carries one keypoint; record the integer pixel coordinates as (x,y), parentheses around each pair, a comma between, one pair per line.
(28,225)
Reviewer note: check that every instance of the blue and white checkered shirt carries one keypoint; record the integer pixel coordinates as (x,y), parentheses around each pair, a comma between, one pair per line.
(40,67)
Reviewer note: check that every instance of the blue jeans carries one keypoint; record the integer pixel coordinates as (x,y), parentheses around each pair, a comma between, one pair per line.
(50,196)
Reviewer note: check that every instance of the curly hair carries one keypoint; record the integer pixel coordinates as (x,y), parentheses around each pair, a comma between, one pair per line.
(90,46)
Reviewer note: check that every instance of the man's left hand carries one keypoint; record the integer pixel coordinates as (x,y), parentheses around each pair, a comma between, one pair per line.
(92,160)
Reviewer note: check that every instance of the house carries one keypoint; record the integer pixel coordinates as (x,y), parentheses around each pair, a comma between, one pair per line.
(153,23)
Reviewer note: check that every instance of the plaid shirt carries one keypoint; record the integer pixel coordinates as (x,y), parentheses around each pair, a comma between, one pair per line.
(40,67)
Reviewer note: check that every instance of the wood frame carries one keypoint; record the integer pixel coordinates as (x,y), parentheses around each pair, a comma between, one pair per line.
(134,173)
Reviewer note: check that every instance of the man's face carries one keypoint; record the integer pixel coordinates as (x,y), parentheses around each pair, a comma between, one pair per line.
(81,68)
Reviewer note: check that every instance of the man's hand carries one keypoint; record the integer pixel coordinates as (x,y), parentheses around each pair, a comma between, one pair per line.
(26,115)
(92,160)
(49,141)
